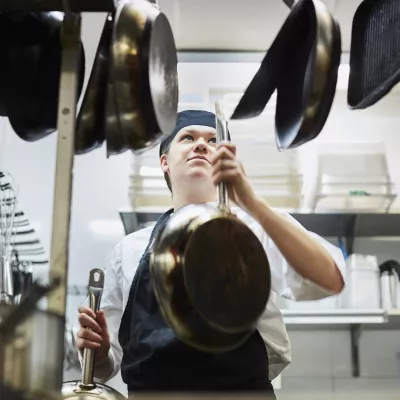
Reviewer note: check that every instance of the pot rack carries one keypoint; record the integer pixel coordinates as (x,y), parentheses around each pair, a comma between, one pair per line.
(70,39)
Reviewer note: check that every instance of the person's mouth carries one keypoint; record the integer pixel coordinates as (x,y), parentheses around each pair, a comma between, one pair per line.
(199,158)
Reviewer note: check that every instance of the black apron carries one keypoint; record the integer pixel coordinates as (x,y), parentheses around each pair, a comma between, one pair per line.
(154,359)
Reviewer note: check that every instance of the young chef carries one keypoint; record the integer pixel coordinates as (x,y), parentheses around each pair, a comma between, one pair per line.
(130,333)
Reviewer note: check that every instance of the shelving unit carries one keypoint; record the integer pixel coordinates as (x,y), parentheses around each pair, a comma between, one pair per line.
(354,320)
(347,226)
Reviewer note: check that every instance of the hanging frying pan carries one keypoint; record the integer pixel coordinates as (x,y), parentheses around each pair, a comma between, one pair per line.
(90,124)
(304,73)
(116,141)
(97,119)
(374,52)
(211,298)
(32,71)
(86,388)
(115,138)
(144,74)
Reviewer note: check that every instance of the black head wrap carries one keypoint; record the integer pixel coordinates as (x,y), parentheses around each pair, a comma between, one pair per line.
(188,118)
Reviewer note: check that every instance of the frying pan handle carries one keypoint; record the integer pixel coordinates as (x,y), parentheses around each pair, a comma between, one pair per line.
(95,289)
(222,136)
(290,3)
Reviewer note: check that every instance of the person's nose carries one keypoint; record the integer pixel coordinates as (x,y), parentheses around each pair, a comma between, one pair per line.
(201,146)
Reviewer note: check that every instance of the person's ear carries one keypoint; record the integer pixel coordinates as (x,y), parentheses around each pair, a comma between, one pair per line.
(164,163)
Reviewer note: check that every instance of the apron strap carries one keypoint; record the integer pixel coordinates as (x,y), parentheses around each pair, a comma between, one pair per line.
(125,327)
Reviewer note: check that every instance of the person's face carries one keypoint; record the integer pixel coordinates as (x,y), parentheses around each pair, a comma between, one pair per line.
(189,154)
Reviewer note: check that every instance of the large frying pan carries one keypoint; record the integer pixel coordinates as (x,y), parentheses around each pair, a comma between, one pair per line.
(144,76)
(86,388)
(304,73)
(31,67)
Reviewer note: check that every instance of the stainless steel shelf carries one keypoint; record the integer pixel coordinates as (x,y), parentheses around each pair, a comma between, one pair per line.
(353,320)
(324,224)
(334,317)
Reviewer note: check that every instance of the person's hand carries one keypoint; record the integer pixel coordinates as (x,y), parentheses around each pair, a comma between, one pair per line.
(93,333)
(228,169)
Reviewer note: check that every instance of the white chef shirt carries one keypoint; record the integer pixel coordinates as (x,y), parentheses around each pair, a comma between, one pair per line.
(285,281)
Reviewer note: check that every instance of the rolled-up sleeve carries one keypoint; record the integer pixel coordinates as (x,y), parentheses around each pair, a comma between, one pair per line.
(286,281)
(112,304)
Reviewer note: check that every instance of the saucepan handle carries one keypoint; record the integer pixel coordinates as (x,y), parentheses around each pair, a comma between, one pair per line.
(95,289)
(222,136)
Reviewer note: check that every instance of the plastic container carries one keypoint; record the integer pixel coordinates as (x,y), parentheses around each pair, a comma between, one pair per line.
(362,289)
(353,177)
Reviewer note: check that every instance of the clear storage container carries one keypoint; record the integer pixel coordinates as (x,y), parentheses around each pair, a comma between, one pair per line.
(362,290)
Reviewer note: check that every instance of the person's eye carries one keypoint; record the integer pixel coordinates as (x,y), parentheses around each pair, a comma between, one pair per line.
(213,140)
(187,137)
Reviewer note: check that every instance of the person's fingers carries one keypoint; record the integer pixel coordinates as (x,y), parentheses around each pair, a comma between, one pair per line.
(101,320)
(88,322)
(89,335)
(86,344)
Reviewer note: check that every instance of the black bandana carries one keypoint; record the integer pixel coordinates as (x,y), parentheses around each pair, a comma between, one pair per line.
(187,118)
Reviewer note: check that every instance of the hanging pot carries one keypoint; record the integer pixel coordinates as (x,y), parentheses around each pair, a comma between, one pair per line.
(32,72)
(210,273)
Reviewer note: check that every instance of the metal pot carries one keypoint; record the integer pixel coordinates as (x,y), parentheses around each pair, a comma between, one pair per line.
(210,273)
(144,74)
(86,388)
(30,353)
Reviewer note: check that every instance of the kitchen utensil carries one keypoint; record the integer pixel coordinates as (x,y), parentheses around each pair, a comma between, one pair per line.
(144,73)
(32,55)
(389,284)
(8,203)
(86,387)
(210,273)
(90,124)
(304,73)
(22,272)
(374,52)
